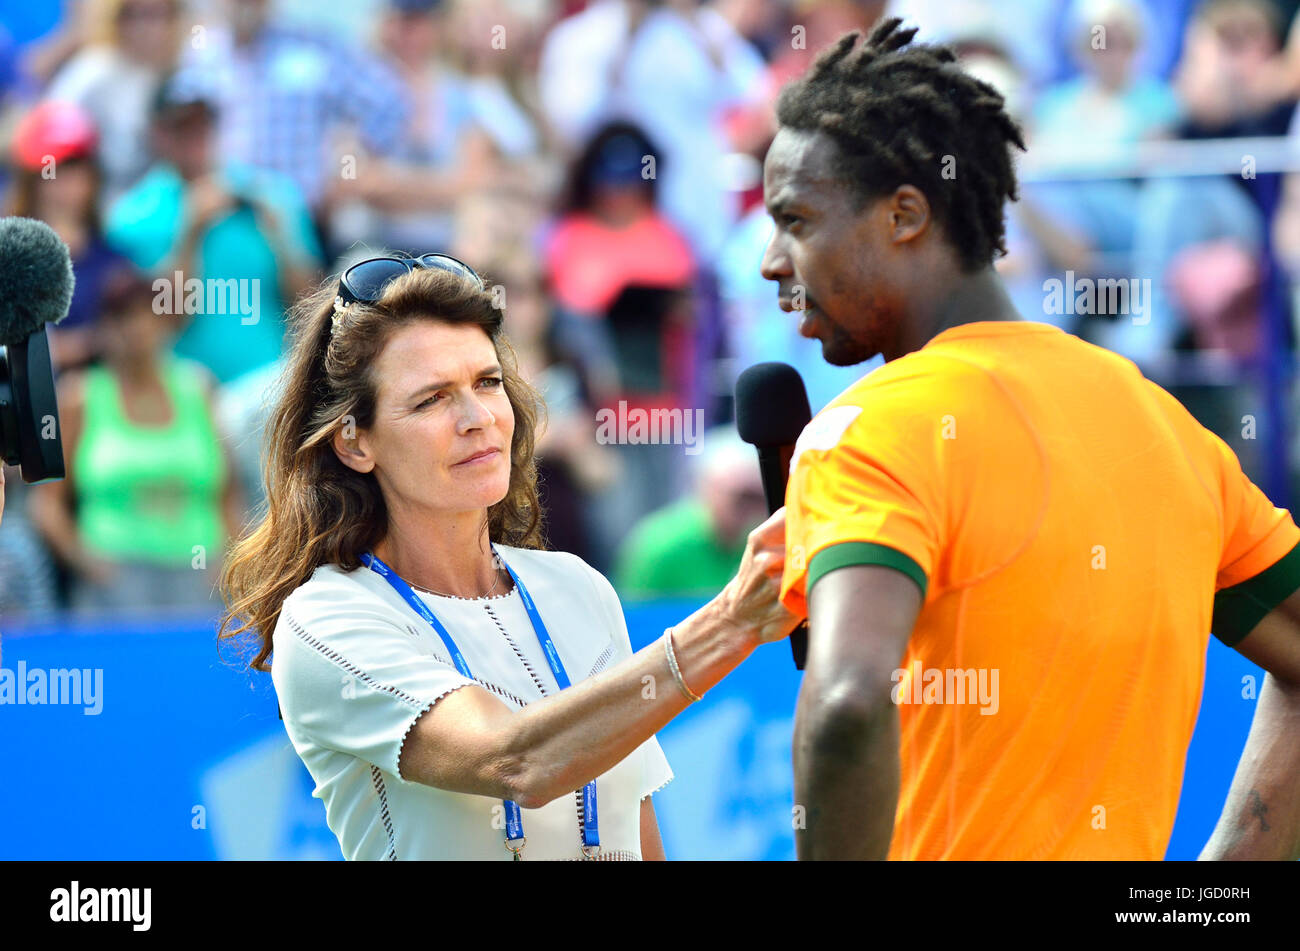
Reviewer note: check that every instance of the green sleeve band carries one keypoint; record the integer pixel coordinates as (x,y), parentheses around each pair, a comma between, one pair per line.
(862,553)
(1238,609)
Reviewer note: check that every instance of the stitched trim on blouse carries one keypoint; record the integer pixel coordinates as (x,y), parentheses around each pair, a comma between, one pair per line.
(377,779)
(515,647)
(340,661)
(582,815)
(602,660)
(416,719)
(456,597)
(577,793)
(614,855)
(500,692)
(659,787)
(496,689)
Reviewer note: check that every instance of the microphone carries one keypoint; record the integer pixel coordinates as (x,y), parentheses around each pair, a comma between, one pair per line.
(771,411)
(35,289)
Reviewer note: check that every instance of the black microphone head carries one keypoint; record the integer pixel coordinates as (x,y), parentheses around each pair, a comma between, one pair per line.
(35,278)
(771,405)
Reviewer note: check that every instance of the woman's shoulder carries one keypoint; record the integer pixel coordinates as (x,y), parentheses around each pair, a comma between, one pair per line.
(552,562)
(188,376)
(334,603)
(326,584)
(557,568)
(575,596)
(339,619)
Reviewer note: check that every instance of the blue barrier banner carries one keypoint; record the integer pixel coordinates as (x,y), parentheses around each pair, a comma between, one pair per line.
(132,739)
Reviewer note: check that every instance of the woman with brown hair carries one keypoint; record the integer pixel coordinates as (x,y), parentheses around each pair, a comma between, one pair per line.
(422,638)
(149,500)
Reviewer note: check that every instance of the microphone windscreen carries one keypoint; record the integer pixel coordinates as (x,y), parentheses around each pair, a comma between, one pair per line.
(771,405)
(35,278)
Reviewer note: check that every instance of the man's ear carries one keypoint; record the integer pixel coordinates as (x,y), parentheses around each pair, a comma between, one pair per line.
(349,445)
(909,214)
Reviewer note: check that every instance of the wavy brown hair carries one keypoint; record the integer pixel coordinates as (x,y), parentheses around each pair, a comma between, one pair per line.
(319,511)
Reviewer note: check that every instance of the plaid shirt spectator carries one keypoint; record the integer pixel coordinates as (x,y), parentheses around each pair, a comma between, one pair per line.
(283,95)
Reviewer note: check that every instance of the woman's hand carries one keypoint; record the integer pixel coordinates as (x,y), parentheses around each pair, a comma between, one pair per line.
(750,599)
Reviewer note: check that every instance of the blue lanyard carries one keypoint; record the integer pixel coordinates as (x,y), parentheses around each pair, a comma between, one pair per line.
(514,819)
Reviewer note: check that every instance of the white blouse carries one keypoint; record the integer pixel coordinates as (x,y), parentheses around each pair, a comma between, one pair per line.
(355,666)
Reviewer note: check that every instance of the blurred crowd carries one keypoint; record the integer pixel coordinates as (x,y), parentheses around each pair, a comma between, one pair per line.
(601,162)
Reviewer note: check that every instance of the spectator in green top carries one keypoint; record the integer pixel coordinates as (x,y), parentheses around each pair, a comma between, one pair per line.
(693,546)
(142,519)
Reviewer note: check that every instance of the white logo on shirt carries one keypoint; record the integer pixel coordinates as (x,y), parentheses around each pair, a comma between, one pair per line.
(825,431)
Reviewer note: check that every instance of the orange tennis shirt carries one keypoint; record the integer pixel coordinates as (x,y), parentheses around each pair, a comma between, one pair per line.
(1069,524)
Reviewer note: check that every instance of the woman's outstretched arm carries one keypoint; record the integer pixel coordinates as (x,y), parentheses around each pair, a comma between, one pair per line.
(471,742)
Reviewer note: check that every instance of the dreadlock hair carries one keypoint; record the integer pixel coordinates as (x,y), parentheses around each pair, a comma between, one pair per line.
(905,115)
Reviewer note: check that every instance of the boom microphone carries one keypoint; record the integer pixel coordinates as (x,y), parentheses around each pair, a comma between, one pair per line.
(35,289)
(771,411)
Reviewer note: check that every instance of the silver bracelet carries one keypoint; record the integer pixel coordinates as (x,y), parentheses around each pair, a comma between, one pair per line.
(672,664)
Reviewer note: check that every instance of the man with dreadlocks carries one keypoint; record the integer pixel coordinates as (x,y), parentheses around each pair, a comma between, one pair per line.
(1011,547)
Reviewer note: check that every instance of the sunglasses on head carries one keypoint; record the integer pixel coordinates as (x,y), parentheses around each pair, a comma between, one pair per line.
(365,281)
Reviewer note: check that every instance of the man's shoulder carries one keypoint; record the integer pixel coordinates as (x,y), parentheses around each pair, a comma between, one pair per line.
(158,181)
(964,373)
(683,518)
(665,535)
(915,378)
(972,354)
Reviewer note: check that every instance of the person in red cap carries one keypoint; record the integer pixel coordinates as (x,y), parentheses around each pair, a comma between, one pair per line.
(57,180)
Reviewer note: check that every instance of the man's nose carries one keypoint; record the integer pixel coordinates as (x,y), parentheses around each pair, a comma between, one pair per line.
(776,263)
